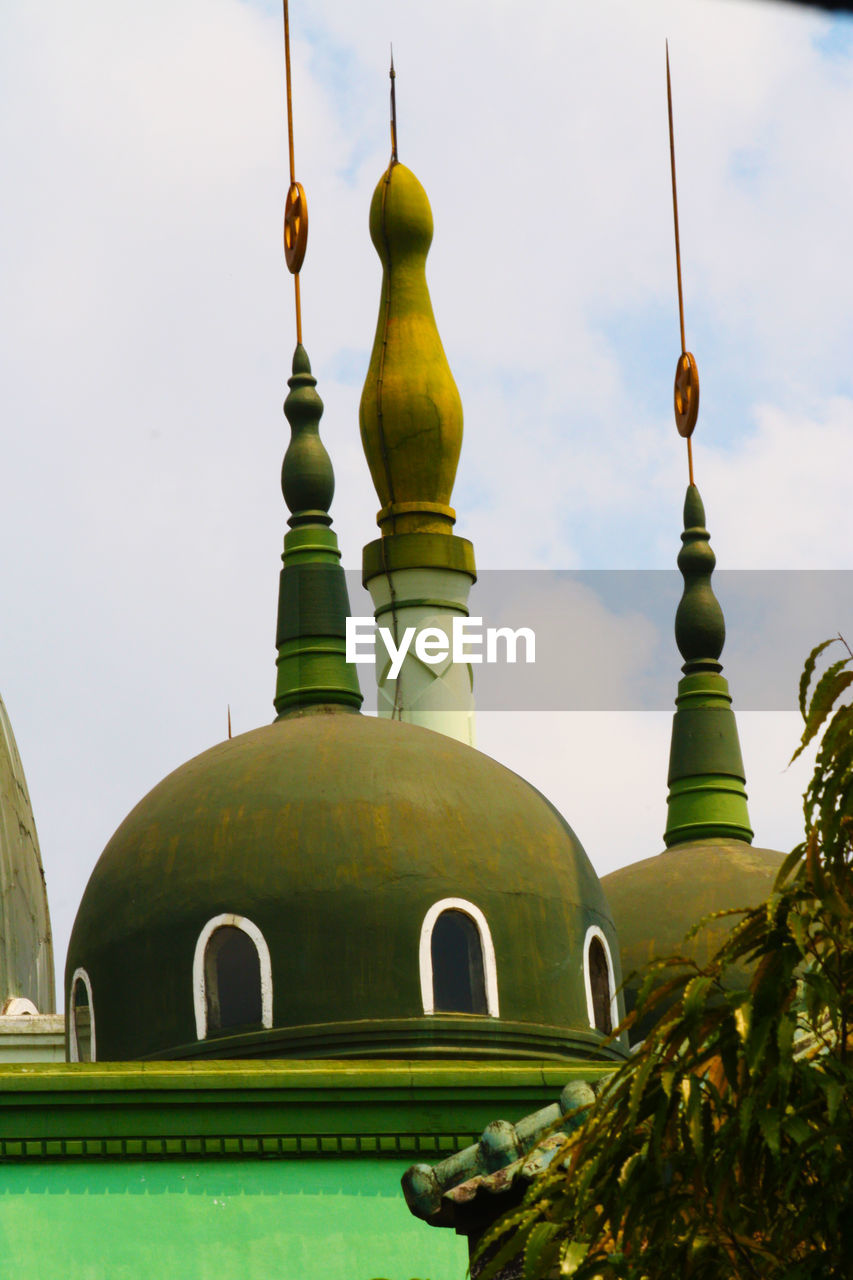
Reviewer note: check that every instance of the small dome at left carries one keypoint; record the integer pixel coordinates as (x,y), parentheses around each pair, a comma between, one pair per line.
(26,947)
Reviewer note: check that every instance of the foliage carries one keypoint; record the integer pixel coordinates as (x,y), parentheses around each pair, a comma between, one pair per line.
(722,1148)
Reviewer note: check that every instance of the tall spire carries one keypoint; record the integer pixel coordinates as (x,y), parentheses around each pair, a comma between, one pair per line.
(313,605)
(707,792)
(418,572)
(707,783)
(312,601)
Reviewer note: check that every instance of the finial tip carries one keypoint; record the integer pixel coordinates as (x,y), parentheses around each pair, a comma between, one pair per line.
(301,363)
(393,76)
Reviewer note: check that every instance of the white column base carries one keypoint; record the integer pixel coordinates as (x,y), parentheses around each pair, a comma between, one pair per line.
(440,696)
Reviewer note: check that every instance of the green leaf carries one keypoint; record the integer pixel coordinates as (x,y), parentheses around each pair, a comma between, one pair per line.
(768,1123)
(745,1113)
(787,868)
(524,1217)
(785,1036)
(831,685)
(510,1248)
(688,1155)
(834,1094)
(638,1084)
(695,995)
(629,1165)
(808,671)
(541,1250)
(572,1256)
(694,1117)
(797,1129)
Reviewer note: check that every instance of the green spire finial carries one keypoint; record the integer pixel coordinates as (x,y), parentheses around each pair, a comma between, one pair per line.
(410,412)
(700,629)
(707,792)
(312,602)
(307,479)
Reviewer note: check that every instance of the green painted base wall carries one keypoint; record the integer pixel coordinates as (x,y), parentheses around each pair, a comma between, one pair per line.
(218,1220)
(242,1170)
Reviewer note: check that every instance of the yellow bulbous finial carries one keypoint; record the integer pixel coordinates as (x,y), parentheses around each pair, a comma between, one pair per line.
(410,413)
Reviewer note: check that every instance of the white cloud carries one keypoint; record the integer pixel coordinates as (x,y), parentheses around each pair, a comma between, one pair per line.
(782,497)
(606,773)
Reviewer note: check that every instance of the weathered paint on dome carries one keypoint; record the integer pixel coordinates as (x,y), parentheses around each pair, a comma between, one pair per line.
(334,834)
(656,902)
(26,947)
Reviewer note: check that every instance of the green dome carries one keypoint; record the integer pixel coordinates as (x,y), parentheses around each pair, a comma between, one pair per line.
(334,834)
(709,864)
(656,902)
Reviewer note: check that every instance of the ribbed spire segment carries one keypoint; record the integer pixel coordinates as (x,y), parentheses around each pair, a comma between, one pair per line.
(707,791)
(312,601)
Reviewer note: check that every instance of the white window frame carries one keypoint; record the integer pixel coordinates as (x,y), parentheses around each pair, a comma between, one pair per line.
(595,932)
(80,975)
(200,977)
(490,968)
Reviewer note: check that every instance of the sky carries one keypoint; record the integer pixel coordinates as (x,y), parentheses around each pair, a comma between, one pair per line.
(146,332)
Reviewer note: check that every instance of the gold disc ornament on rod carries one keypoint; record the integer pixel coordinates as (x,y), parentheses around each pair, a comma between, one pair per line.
(686,389)
(686,394)
(295,227)
(296,205)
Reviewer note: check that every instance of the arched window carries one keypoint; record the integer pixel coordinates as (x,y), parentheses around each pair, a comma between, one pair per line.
(458,979)
(81,1017)
(457,960)
(599,982)
(232,977)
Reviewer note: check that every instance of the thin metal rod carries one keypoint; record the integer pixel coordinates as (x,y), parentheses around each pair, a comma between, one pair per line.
(393,75)
(289,98)
(296,295)
(690,459)
(674,200)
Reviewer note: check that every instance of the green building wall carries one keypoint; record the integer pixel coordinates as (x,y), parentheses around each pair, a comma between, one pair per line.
(241,1169)
(206,1220)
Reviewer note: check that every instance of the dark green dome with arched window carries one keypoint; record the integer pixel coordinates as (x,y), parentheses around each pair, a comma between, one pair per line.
(336,885)
(338,843)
